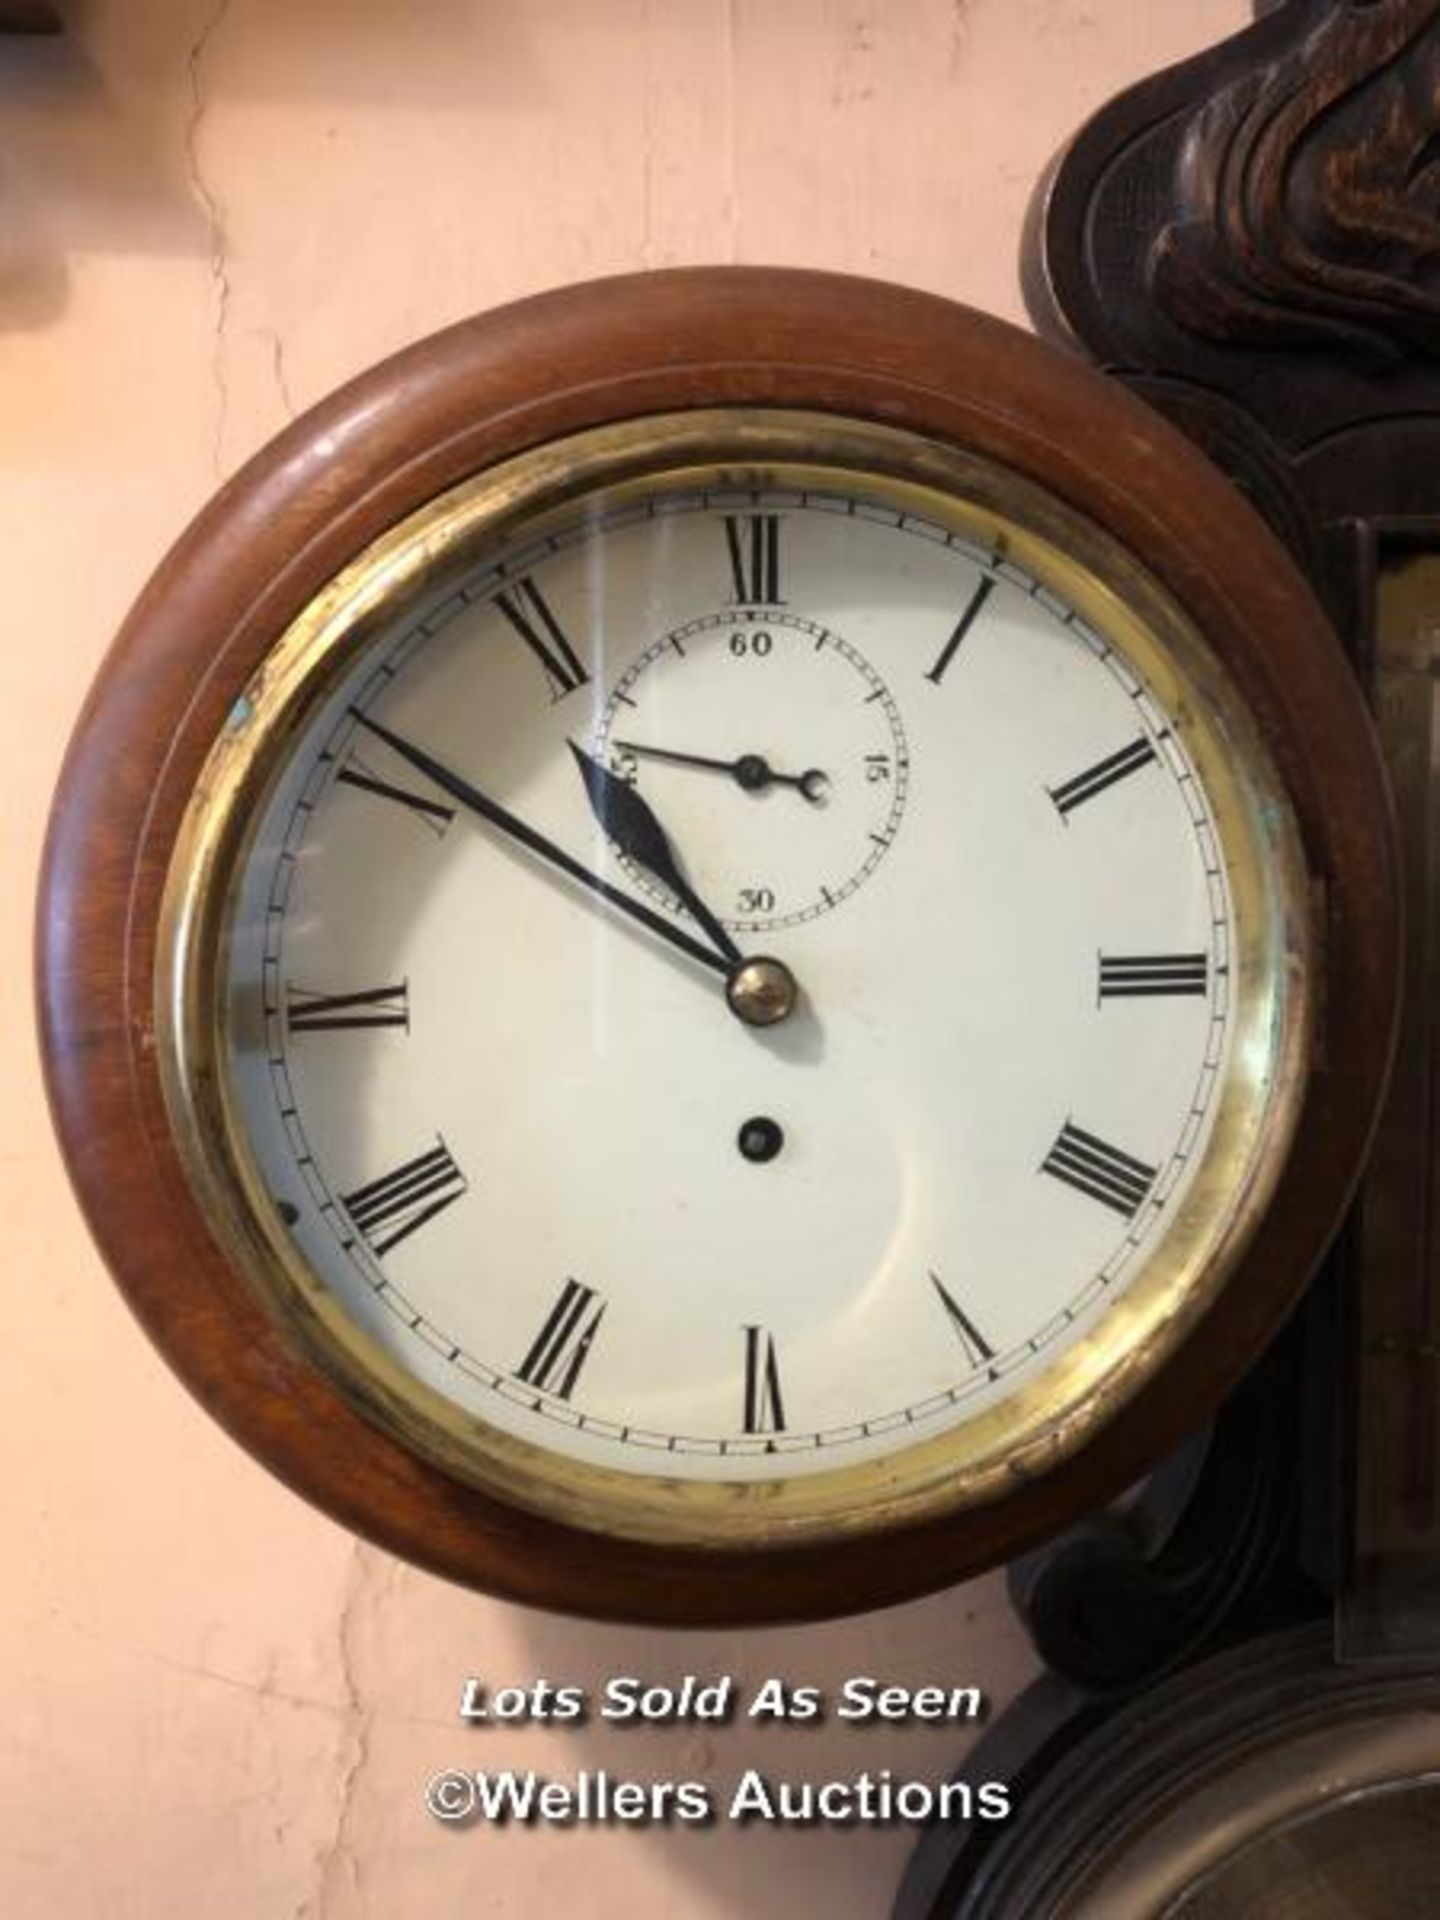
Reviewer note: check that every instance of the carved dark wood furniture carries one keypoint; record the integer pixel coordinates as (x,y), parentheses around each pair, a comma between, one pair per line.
(1251,242)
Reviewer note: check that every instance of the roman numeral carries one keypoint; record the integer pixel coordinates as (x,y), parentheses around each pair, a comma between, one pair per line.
(431,812)
(977,1348)
(553,1363)
(525,607)
(764,1412)
(1093,1166)
(307,1012)
(399,1203)
(962,627)
(1126,976)
(754,543)
(1084,786)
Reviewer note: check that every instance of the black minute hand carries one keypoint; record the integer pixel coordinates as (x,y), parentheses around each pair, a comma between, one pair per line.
(631,824)
(488,809)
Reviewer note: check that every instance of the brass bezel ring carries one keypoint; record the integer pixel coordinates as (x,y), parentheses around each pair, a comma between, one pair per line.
(1060,1409)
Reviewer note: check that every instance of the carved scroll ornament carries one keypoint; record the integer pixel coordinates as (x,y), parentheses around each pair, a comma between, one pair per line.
(1309,194)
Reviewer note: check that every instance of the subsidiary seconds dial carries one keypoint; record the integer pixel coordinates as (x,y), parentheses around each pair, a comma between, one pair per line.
(774,736)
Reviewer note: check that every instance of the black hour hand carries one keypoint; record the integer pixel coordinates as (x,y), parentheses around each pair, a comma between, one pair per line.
(630,822)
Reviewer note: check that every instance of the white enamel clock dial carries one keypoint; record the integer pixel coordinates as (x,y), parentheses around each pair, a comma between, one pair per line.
(514,1138)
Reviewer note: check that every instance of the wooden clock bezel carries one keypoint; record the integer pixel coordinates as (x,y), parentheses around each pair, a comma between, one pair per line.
(442,411)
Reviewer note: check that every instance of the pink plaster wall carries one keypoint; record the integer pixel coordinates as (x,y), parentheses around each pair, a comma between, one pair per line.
(215,1702)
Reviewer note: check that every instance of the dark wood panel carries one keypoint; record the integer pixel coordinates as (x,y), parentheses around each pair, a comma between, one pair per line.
(29,16)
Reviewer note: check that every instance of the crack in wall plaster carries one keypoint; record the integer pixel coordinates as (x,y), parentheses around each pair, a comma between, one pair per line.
(338,1861)
(959,34)
(265,1688)
(277,368)
(215,222)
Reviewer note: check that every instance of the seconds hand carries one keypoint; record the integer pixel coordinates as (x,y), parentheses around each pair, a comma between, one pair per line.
(752,771)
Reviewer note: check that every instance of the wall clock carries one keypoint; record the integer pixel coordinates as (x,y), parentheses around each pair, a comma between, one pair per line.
(718,946)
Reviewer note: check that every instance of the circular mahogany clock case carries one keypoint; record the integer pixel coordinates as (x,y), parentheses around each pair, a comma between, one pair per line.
(718,946)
